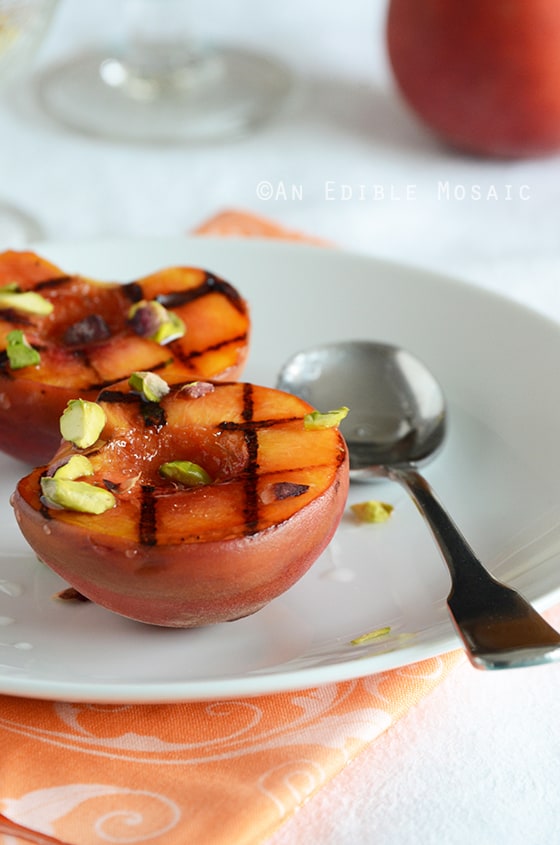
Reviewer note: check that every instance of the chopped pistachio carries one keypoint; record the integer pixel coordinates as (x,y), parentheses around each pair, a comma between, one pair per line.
(82,422)
(20,353)
(152,320)
(76,467)
(151,386)
(76,495)
(196,389)
(185,472)
(172,329)
(330,419)
(372,511)
(371,635)
(27,301)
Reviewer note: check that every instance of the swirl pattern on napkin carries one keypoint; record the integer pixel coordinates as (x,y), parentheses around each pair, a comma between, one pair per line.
(205,772)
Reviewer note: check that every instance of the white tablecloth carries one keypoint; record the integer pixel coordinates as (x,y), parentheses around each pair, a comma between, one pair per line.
(479,760)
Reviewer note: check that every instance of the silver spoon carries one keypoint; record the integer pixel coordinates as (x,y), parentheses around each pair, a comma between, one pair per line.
(396,423)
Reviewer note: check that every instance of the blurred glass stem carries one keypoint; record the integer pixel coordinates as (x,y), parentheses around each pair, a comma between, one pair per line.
(159,53)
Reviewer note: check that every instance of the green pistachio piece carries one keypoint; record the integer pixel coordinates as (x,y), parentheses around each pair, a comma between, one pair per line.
(27,301)
(172,329)
(76,495)
(331,419)
(152,320)
(371,635)
(82,422)
(372,511)
(20,353)
(151,386)
(76,467)
(185,472)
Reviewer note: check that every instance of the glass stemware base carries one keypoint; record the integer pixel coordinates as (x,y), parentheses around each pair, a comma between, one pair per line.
(214,95)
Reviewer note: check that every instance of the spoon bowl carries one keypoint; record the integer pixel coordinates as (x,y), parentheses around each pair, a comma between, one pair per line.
(397,423)
(397,406)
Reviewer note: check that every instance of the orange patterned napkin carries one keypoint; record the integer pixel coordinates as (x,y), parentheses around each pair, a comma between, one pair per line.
(219,773)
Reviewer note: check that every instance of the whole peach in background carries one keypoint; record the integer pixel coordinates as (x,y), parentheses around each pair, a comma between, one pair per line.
(483,74)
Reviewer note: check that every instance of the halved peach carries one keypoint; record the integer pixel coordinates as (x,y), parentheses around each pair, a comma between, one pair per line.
(180,550)
(97,333)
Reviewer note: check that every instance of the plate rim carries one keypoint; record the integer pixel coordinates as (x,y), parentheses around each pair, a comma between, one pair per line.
(290,679)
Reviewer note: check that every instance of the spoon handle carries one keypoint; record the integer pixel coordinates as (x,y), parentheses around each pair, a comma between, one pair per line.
(499,629)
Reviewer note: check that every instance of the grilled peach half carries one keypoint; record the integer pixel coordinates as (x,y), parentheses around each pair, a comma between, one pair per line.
(183,547)
(63,336)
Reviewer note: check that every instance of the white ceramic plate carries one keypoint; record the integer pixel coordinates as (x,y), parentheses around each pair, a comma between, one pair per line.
(498,475)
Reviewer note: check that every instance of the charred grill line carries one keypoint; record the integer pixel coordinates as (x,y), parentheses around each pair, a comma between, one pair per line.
(147,527)
(153,414)
(117,396)
(55,282)
(230,425)
(248,407)
(251,507)
(16,318)
(211,284)
(186,357)
(101,385)
(133,291)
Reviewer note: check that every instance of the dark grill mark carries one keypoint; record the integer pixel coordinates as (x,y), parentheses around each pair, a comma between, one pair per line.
(211,284)
(153,414)
(248,407)
(147,528)
(55,282)
(133,291)
(251,506)
(101,385)
(228,425)
(117,396)
(10,315)
(187,357)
